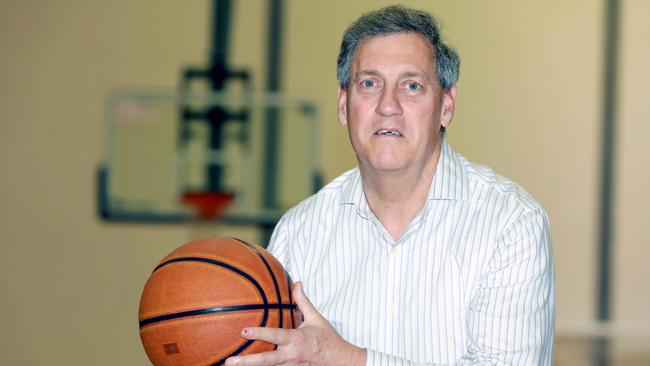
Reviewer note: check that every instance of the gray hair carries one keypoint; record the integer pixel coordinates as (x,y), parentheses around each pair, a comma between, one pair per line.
(398,19)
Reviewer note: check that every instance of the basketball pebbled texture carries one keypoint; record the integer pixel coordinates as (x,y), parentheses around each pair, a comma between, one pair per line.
(200,297)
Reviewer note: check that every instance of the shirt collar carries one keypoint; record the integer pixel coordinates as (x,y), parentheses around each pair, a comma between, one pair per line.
(450,181)
(353,189)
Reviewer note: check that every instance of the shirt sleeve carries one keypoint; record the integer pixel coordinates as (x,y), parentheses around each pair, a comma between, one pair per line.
(512,311)
(375,358)
(279,244)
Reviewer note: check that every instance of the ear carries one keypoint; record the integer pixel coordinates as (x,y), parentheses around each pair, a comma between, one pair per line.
(343,106)
(448,106)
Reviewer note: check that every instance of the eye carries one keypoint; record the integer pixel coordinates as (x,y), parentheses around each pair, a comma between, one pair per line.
(413,86)
(368,83)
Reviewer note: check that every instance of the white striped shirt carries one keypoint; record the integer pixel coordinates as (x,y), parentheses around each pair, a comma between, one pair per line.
(470,281)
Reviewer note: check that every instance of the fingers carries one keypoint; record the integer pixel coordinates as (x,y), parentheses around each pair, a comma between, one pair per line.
(264,358)
(306,308)
(292,343)
(272,335)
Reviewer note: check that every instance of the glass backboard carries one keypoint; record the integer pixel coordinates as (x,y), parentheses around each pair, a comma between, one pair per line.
(259,149)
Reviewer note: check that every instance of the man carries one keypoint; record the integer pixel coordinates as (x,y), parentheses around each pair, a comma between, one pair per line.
(417,256)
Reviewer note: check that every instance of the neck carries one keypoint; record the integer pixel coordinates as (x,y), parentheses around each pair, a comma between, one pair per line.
(396,197)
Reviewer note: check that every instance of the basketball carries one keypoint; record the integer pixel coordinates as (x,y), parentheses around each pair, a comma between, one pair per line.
(200,297)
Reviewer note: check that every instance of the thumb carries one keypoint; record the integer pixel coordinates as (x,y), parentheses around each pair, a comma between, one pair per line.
(308,310)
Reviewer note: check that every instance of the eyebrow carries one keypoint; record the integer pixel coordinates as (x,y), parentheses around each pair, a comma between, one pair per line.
(405,74)
(363,73)
(412,74)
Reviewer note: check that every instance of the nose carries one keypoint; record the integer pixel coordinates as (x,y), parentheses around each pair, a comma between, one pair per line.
(389,104)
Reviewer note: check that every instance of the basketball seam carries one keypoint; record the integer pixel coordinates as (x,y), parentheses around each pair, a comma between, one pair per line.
(275,281)
(214,310)
(293,307)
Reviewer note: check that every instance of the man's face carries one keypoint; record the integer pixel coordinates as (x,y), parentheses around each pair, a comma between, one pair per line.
(393,106)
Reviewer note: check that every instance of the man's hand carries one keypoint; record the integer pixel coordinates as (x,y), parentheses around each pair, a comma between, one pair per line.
(315,342)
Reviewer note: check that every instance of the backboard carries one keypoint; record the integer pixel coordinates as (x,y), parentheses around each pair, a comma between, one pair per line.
(258,151)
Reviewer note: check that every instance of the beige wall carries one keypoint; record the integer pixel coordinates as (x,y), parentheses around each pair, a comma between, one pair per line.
(631,281)
(529,104)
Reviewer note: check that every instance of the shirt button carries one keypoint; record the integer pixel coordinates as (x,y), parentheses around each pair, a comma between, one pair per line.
(394,252)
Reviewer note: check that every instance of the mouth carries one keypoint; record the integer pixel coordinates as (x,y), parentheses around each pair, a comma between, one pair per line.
(388,132)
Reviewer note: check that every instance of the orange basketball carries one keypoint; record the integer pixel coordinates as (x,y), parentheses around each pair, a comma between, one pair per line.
(200,297)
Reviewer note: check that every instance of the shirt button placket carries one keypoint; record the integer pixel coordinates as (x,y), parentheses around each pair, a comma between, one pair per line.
(393,279)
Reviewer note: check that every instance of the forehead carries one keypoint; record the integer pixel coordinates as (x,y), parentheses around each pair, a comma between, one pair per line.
(404,52)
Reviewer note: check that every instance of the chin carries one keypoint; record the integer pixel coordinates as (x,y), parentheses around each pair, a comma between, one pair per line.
(383,162)
(387,165)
